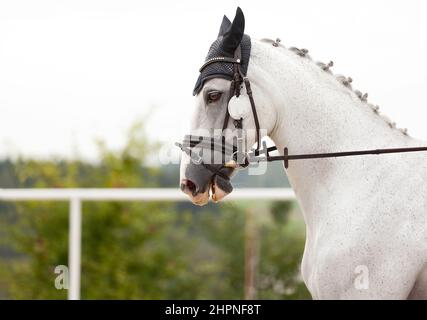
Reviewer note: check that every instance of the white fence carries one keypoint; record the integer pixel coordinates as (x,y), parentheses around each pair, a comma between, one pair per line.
(76,196)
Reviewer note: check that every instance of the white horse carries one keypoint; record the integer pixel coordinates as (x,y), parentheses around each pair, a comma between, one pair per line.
(366,216)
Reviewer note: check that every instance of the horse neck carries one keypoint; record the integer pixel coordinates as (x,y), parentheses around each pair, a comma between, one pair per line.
(317,113)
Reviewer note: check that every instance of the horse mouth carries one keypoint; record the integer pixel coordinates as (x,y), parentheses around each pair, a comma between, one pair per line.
(201,199)
(220,188)
(216,197)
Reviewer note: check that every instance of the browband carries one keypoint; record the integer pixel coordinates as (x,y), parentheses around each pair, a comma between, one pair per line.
(219,59)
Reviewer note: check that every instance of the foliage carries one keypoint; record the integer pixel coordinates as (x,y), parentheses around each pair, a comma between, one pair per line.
(281,247)
(134,250)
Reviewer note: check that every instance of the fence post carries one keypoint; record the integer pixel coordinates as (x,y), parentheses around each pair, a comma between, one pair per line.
(251,254)
(74,247)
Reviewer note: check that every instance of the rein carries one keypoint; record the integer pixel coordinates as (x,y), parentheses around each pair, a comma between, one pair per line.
(286,157)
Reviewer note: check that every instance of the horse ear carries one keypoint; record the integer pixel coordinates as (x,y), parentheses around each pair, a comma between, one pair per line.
(234,33)
(224,26)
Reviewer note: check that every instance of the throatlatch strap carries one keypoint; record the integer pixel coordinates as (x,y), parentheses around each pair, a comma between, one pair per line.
(255,115)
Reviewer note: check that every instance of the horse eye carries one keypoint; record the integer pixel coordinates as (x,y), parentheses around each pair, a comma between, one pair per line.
(214,96)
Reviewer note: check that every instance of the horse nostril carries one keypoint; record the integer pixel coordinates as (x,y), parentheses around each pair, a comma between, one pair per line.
(191,186)
(188,185)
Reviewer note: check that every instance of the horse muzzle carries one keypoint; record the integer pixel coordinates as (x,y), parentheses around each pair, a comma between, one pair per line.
(201,184)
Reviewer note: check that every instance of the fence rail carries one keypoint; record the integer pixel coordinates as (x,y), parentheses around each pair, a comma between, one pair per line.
(76,196)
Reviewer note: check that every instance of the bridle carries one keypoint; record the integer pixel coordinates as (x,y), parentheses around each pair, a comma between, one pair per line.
(238,156)
(242,159)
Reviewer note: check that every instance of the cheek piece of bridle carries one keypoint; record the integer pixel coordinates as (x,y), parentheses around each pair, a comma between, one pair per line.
(235,151)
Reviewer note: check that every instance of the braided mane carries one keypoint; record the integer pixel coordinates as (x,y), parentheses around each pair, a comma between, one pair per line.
(345,81)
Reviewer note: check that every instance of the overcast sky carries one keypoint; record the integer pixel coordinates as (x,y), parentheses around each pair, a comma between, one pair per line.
(71,71)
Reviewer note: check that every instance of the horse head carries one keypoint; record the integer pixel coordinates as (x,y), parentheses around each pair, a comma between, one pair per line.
(224,115)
